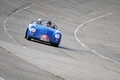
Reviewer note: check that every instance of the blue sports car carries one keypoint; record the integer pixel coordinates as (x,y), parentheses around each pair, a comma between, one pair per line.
(45,31)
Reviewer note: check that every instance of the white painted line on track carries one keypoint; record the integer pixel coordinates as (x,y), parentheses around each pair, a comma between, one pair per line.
(75,34)
(24,47)
(1,78)
(5,22)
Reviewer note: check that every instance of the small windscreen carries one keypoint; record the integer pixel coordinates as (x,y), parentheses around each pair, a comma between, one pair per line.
(53,25)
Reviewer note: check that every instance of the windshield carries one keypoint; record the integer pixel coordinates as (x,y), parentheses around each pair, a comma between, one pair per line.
(53,25)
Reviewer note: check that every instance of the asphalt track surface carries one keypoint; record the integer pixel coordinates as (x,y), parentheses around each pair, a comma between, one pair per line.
(90,47)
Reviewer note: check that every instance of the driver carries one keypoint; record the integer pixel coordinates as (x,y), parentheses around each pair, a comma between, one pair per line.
(48,23)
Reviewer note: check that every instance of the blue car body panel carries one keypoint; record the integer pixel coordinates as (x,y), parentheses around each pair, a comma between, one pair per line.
(44,30)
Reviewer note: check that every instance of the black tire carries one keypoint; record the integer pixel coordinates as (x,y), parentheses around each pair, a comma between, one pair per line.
(55,45)
(26,33)
(28,38)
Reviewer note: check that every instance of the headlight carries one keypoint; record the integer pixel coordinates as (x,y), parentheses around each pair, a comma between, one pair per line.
(57,36)
(33,29)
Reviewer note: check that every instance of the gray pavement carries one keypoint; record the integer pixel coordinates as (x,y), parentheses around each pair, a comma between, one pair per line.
(90,47)
(14,68)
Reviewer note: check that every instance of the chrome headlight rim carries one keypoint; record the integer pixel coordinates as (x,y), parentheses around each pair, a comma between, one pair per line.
(57,36)
(33,30)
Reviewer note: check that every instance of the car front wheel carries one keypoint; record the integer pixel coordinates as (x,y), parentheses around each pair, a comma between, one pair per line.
(26,33)
(26,36)
(55,45)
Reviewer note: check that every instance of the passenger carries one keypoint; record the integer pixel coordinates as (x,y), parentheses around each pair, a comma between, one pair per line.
(39,21)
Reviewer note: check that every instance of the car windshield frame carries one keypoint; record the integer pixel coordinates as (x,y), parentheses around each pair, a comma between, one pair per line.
(53,25)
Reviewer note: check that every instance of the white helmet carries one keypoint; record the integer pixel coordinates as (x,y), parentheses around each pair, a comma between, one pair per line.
(39,19)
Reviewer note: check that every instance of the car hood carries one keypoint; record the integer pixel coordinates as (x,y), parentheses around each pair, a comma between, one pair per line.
(44,30)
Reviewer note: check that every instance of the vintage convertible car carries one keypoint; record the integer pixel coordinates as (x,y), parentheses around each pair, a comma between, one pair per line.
(44,33)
